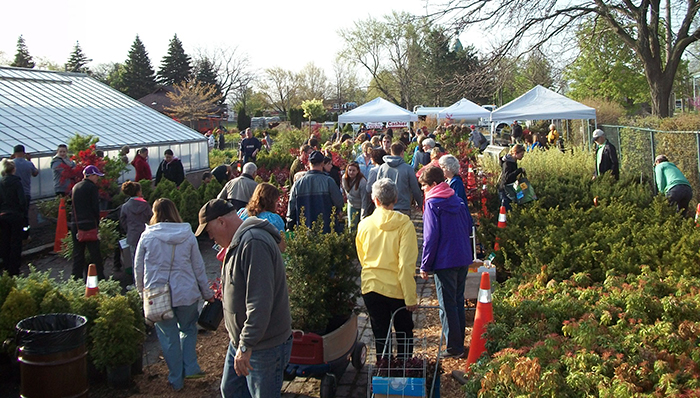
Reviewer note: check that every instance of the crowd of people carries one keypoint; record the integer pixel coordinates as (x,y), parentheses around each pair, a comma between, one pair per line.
(380,191)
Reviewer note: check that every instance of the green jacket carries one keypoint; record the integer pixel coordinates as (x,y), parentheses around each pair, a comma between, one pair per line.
(668,176)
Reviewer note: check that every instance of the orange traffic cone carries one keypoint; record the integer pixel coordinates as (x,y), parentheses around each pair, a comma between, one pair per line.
(697,215)
(91,288)
(484,315)
(501,224)
(61,226)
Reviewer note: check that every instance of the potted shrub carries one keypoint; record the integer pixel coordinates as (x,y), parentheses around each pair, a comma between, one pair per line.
(322,274)
(115,340)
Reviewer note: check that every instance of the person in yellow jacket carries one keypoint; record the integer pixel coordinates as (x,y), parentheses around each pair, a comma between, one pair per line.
(388,249)
(553,136)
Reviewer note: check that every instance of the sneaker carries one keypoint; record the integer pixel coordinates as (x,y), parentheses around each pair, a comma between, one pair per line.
(196,376)
(175,389)
(447,354)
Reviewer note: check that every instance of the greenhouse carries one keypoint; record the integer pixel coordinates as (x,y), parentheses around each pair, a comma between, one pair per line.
(42,109)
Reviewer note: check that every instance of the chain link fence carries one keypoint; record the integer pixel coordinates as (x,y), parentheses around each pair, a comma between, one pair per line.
(638,147)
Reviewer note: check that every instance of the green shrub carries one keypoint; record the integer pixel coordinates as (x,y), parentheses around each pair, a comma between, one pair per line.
(271,160)
(119,199)
(218,157)
(209,191)
(162,190)
(115,339)
(146,188)
(136,305)
(574,338)
(18,305)
(7,283)
(37,287)
(49,207)
(322,275)
(189,207)
(54,302)
(87,307)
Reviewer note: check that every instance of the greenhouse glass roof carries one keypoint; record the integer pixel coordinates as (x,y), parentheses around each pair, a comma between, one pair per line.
(41,109)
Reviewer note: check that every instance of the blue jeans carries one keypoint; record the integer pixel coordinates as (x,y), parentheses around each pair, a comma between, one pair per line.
(353,218)
(449,284)
(178,340)
(505,200)
(264,381)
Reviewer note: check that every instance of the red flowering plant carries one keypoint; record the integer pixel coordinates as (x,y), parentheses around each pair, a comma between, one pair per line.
(89,157)
(215,286)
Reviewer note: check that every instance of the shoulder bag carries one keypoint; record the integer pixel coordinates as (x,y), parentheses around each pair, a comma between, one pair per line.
(157,302)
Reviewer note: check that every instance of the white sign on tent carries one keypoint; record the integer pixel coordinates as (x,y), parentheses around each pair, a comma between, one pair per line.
(394,125)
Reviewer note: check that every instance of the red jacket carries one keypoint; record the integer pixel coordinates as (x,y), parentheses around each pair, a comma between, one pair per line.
(143,170)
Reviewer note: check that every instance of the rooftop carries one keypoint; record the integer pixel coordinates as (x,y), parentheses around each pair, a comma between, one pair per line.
(42,109)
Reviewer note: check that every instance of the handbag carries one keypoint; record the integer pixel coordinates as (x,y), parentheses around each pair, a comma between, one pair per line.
(212,314)
(524,193)
(157,302)
(90,235)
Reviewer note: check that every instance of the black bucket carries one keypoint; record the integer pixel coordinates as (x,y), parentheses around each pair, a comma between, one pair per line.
(212,314)
(52,356)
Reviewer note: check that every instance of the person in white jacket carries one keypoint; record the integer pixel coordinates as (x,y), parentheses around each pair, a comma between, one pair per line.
(168,252)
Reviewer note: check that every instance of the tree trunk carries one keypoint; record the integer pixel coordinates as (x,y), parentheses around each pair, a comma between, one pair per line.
(661,95)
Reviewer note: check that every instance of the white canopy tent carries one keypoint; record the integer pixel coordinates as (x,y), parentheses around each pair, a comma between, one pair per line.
(378,110)
(541,104)
(464,110)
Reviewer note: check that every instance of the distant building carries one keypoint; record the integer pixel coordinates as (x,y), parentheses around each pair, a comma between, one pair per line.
(42,109)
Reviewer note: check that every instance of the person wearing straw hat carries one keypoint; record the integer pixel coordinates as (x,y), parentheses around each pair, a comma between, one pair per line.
(672,183)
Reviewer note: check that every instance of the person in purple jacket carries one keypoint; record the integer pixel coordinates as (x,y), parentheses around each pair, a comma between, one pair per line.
(447,253)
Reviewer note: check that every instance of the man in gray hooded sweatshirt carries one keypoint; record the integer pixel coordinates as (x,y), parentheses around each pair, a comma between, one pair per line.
(256,303)
(403,176)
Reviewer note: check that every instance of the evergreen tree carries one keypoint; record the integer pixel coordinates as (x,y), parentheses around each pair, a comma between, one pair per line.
(207,75)
(22,58)
(175,67)
(78,60)
(139,78)
(243,121)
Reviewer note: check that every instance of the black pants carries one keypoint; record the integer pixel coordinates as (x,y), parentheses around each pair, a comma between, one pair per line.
(680,196)
(11,235)
(25,230)
(79,268)
(380,309)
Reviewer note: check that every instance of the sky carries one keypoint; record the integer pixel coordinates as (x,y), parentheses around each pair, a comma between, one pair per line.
(283,33)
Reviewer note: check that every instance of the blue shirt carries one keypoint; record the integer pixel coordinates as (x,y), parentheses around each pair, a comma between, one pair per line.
(273,218)
(24,169)
(457,185)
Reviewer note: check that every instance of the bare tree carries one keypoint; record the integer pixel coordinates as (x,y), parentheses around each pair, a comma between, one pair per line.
(280,87)
(232,68)
(345,86)
(313,83)
(389,50)
(638,23)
